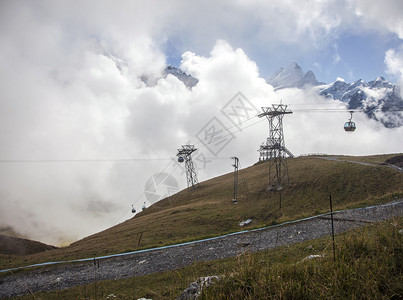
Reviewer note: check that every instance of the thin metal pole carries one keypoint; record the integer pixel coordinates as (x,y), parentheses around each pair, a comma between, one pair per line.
(235,165)
(331,216)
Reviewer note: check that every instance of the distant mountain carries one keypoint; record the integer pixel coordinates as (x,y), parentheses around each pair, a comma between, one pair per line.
(187,79)
(152,80)
(378,98)
(292,77)
(17,246)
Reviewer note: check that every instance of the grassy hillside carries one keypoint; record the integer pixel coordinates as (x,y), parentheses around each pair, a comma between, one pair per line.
(368,266)
(209,210)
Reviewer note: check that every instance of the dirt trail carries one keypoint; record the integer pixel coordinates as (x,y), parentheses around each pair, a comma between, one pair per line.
(177,256)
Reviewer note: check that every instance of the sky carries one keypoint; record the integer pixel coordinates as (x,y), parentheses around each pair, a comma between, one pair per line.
(88,122)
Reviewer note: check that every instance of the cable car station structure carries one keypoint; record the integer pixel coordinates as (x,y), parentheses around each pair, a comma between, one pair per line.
(274,150)
(185,155)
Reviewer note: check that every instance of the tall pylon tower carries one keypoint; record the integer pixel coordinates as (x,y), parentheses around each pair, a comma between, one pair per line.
(185,155)
(274,150)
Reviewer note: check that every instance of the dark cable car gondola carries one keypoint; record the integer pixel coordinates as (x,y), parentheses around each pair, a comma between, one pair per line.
(180,159)
(133,209)
(349,126)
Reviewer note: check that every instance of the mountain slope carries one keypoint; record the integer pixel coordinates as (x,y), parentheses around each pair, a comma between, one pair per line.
(209,210)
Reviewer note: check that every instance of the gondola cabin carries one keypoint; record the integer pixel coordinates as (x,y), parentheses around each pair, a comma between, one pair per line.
(180,159)
(349,126)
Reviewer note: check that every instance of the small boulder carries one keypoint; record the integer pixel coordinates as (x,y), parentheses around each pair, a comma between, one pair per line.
(194,290)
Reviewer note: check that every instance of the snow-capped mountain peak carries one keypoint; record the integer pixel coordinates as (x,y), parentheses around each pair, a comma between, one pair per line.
(378,98)
(292,76)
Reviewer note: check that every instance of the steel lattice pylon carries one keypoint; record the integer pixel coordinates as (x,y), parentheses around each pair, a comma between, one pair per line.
(274,150)
(186,154)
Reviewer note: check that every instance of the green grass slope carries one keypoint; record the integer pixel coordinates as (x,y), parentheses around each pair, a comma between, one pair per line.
(209,211)
(368,265)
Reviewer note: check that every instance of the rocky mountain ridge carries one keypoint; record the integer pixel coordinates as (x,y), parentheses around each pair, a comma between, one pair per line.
(292,77)
(379,99)
(187,79)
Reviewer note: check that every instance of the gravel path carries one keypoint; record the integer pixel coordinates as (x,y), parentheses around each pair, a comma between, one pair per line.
(156,260)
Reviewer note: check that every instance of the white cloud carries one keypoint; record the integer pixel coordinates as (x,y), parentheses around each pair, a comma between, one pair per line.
(336,55)
(394,64)
(381,15)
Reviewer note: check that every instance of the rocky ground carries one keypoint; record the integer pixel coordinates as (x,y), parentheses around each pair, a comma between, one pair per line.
(156,260)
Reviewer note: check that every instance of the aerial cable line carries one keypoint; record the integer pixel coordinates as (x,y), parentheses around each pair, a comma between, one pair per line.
(244,183)
(228,129)
(343,110)
(230,132)
(325,110)
(200,142)
(147,187)
(302,104)
(141,195)
(115,159)
(79,160)
(176,194)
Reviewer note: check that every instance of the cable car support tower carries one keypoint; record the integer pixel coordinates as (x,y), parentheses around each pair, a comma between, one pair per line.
(185,155)
(275,151)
